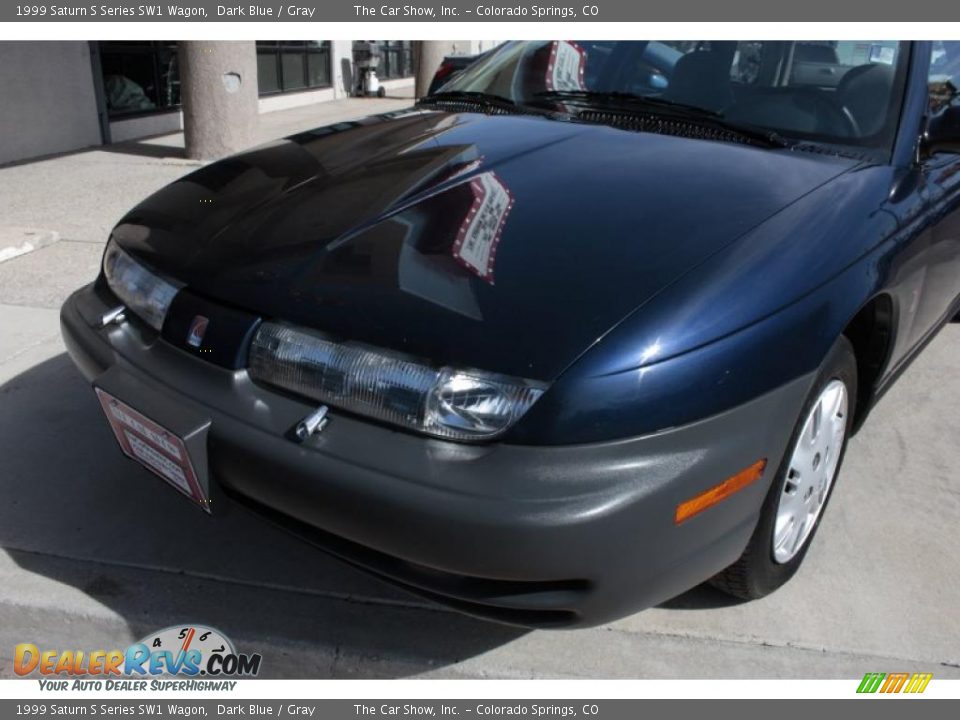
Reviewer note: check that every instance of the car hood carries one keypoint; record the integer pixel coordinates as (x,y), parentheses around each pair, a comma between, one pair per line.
(506,243)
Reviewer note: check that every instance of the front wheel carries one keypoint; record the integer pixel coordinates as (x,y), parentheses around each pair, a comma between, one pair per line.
(799,493)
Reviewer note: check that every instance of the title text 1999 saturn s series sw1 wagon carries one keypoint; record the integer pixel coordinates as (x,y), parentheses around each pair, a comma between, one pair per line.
(587,326)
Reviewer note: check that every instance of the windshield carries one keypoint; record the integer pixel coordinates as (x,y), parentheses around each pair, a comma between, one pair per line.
(838,92)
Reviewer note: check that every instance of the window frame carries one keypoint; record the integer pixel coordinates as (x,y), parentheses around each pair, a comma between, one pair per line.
(278,48)
(401,49)
(153,48)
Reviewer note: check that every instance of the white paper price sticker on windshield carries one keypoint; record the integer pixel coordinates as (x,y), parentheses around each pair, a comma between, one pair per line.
(566,66)
(479,234)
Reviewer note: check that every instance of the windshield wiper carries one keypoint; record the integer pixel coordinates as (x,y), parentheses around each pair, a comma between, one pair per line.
(482,99)
(621,101)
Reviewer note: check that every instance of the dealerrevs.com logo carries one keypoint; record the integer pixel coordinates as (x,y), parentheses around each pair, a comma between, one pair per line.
(184,652)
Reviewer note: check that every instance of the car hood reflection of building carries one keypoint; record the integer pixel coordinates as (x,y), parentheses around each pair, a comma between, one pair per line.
(354,230)
(473,213)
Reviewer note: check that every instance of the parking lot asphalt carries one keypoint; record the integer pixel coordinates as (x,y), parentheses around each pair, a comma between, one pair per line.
(96,552)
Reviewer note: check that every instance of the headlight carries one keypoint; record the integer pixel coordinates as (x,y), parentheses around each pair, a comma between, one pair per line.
(144,293)
(445,402)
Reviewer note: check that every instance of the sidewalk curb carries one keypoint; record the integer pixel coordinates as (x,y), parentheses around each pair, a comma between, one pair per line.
(16,241)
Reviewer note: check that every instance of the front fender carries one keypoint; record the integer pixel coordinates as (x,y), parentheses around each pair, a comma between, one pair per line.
(754,317)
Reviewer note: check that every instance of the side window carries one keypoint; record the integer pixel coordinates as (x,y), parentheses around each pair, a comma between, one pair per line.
(944,77)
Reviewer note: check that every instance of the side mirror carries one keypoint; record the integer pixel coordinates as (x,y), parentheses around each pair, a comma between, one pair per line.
(943,131)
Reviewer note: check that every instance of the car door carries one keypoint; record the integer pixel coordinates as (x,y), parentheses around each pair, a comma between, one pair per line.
(941,175)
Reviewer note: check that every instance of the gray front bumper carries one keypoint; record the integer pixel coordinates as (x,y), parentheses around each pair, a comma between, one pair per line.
(564,535)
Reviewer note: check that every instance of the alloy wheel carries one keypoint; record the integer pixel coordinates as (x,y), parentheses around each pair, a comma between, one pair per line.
(811,470)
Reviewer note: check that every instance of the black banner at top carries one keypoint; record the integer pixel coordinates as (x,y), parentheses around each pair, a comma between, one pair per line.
(739,11)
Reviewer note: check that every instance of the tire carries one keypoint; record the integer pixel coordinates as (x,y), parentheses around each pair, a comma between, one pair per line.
(381,92)
(759,572)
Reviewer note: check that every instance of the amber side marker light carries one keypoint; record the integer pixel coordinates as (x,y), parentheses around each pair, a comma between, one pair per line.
(710,497)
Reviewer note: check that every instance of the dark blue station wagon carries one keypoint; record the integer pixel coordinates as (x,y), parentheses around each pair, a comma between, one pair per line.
(587,326)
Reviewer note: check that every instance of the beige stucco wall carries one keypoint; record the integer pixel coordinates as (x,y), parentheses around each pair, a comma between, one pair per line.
(47,101)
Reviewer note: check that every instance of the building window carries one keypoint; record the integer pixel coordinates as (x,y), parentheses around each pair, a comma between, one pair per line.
(140,77)
(144,77)
(396,59)
(288,65)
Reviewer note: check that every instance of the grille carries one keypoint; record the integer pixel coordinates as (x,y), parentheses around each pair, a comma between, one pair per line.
(660,125)
(831,150)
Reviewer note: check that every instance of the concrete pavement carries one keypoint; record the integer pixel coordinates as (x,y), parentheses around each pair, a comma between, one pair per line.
(96,552)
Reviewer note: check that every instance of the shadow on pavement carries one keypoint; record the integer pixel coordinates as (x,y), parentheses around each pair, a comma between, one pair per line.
(146,149)
(154,560)
(702,597)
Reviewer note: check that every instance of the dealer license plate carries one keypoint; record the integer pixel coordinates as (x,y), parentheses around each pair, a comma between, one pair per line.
(153,446)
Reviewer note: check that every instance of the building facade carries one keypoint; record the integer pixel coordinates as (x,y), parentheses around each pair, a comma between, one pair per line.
(63,96)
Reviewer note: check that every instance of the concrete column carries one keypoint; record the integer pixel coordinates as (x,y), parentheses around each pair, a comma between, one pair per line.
(341,58)
(218,88)
(427,56)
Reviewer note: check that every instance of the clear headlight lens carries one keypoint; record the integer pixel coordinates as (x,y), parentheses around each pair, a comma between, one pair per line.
(144,293)
(444,402)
